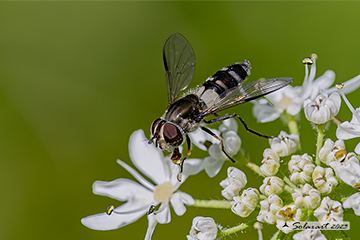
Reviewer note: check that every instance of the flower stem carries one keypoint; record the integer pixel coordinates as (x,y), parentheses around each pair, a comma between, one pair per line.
(293,127)
(320,138)
(290,183)
(255,168)
(221,204)
(240,227)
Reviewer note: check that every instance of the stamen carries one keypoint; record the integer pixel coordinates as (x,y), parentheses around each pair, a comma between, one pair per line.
(354,112)
(110,209)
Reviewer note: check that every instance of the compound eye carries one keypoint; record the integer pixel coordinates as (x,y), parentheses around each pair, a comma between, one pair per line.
(154,124)
(172,134)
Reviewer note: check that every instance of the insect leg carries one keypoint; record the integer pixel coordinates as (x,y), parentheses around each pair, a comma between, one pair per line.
(181,162)
(221,141)
(242,121)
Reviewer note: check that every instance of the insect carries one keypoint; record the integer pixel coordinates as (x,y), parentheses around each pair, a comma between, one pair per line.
(221,91)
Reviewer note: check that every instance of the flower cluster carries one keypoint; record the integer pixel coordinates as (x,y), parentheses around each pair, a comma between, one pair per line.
(298,184)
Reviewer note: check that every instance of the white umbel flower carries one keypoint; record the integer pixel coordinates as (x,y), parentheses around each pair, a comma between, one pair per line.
(287,214)
(324,179)
(269,208)
(348,170)
(290,99)
(330,211)
(301,168)
(203,228)
(332,151)
(353,202)
(232,185)
(306,197)
(272,185)
(270,163)
(323,108)
(232,143)
(140,196)
(245,204)
(309,234)
(285,144)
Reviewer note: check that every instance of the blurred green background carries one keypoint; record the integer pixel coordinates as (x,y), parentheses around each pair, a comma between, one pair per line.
(77,78)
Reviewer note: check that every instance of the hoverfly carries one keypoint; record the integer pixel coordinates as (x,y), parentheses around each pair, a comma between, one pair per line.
(221,91)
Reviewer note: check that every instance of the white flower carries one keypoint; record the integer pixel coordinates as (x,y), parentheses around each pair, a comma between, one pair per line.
(353,202)
(232,185)
(332,151)
(232,143)
(301,168)
(324,179)
(139,197)
(203,228)
(245,204)
(309,234)
(323,108)
(269,208)
(270,163)
(330,211)
(286,216)
(348,130)
(284,144)
(290,99)
(348,170)
(306,197)
(272,185)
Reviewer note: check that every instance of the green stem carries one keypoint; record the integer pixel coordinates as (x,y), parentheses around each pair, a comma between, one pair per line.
(293,127)
(221,204)
(320,138)
(255,168)
(240,227)
(290,183)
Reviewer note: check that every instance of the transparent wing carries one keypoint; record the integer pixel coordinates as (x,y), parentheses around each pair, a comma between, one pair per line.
(179,63)
(245,93)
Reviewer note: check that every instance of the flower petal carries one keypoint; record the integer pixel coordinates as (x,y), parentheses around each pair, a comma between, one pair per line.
(178,200)
(264,112)
(147,158)
(124,190)
(163,215)
(103,221)
(213,166)
(348,130)
(151,226)
(199,137)
(136,175)
(193,166)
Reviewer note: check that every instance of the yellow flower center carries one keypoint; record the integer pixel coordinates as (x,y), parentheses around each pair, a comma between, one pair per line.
(163,192)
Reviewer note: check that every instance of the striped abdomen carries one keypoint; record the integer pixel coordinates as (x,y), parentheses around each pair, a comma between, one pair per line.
(223,80)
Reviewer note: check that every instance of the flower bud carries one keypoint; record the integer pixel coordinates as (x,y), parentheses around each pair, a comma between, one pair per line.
(332,151)
(245,204)
(306,197)
(272,185)
(301,168)
(270,163)
(203,228)
(323,108)
(324,179)
(284,144)
(269,208)
(232,185)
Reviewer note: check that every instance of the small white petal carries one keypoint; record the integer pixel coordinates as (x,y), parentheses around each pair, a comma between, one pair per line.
(147,158)
(309,234)
(353,202)
(213,166)
(199,137)
(124,190)
(178,200)
(104,222)
(193,166)
(163,214)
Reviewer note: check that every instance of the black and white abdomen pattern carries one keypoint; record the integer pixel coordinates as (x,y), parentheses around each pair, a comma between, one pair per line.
(223,80)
